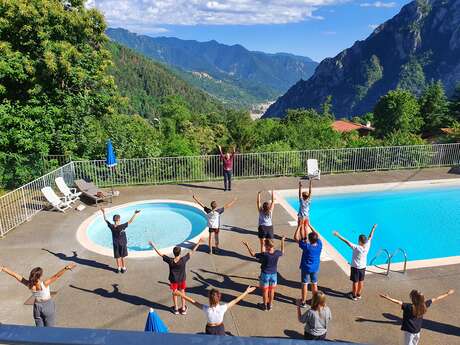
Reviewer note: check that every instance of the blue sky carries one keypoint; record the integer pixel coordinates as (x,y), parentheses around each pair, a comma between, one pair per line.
(314,28)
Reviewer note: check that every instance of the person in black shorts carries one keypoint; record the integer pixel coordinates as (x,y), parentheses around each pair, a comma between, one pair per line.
(213,214)
(265,226)
(413,313)
(119,240)
(177,275)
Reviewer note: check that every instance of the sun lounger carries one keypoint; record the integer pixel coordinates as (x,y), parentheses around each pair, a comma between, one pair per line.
(59,203)
(71,194)
(313,171)
(91,191)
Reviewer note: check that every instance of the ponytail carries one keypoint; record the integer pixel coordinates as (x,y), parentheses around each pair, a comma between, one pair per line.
(35,276)
(418,303)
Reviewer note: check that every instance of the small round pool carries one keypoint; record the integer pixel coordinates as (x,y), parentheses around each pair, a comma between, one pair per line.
(165,222)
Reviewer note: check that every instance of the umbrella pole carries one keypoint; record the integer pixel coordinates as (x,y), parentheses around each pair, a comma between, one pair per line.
(111,196)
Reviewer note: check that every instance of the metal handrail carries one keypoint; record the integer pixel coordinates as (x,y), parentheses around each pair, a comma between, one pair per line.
(405,257)
(388,255)
(389,258)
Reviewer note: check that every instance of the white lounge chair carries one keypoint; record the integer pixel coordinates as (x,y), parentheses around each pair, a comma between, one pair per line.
(59,203)
(71,194)
(313,171)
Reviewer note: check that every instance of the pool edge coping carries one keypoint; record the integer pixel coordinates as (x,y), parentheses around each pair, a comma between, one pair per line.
(85,241)
(280,198)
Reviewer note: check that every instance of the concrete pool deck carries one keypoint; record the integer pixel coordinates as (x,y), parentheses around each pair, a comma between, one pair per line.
(94,296)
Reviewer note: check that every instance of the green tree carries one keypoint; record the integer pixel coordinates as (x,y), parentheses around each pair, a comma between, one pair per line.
(398,110)
(455,104)
(434,108)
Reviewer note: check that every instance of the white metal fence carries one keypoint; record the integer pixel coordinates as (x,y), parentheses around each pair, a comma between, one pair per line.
(24,202)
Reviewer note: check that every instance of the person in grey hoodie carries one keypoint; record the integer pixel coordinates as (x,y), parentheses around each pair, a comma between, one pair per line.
(316,319)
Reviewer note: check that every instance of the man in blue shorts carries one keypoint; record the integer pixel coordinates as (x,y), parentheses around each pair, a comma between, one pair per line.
(268,259)
(309,264)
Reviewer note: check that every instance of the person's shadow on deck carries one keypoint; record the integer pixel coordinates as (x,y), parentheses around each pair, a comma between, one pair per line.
(231,228)
(431,325)
(81,261)
(124,297)
(225,252)
(199,186)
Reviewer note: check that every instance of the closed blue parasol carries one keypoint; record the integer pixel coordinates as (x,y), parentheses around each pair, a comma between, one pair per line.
(110,159)
(154,323)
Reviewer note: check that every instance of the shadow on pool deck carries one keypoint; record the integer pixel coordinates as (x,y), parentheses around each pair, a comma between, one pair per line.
(81,261)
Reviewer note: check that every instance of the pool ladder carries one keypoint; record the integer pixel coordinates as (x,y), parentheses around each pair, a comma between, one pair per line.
(389,258)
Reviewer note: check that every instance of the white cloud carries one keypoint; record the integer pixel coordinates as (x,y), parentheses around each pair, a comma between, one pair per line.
(373,26)
(329,33)
(150,15)
(379,4)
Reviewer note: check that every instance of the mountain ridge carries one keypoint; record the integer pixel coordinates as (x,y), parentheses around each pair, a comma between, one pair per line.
(424,38)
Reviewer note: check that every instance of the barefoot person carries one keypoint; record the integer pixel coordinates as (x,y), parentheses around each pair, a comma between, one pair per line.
(269,270)
(413,313)
(215,311)
(119,240)
(265,228)
(358,261)
(213,214)
(303,216)
(316,319)
(227,162)
(309,264)
(177,275)
(44,310)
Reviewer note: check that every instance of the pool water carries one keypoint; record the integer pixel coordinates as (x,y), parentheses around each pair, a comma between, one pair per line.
(423,222)
(166,224)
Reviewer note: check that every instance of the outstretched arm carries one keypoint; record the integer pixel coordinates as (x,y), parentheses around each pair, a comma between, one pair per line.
(15,275)
(336,233)
(191,300)
(198,201)
(156,250)
(231,203)
(134,216)
(251,252)
(272,206)
(240,297)
(444,295)
(59,274)
(258,201)
(371,234)
(385,296)
(194,249)
(283,244)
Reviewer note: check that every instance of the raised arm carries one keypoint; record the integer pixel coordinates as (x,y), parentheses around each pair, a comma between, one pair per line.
(59,274)
(336,233)
(309,188)
(258,200)
(198,201)
(189,299)
(297,234)
(234,150)
(283,239)
(220,150)
(240,297)
(371,234)
(251,252)
(300,189)
(103,214)
(272,206)
(444,295)
(133,216)
(299,312)
(385,296)
(156,250)
(195,247)
(231,203)
(15,275)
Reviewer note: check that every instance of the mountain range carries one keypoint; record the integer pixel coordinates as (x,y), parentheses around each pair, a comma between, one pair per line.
(419,45)
(232,74)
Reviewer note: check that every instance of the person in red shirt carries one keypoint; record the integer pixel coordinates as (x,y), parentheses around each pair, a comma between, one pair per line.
(227,160)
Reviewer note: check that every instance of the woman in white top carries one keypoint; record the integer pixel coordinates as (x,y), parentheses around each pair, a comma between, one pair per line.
(265,228)
(44,309)
(215,311)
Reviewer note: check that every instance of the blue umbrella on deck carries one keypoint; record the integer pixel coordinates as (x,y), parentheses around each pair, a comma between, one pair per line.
(110,160)
(154,323)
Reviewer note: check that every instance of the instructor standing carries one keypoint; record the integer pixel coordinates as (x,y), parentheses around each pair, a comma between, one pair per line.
(227,160)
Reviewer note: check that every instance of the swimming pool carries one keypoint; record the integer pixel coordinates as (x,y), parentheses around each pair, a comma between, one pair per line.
(422,219)
(165,222)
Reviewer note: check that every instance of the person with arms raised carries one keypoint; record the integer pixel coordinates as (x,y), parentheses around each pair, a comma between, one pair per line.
(227,162)
(265,223)
(44,310)
(358,261)
(413,313)
(213,213)
(119,239)
(177,274)
(303,216)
